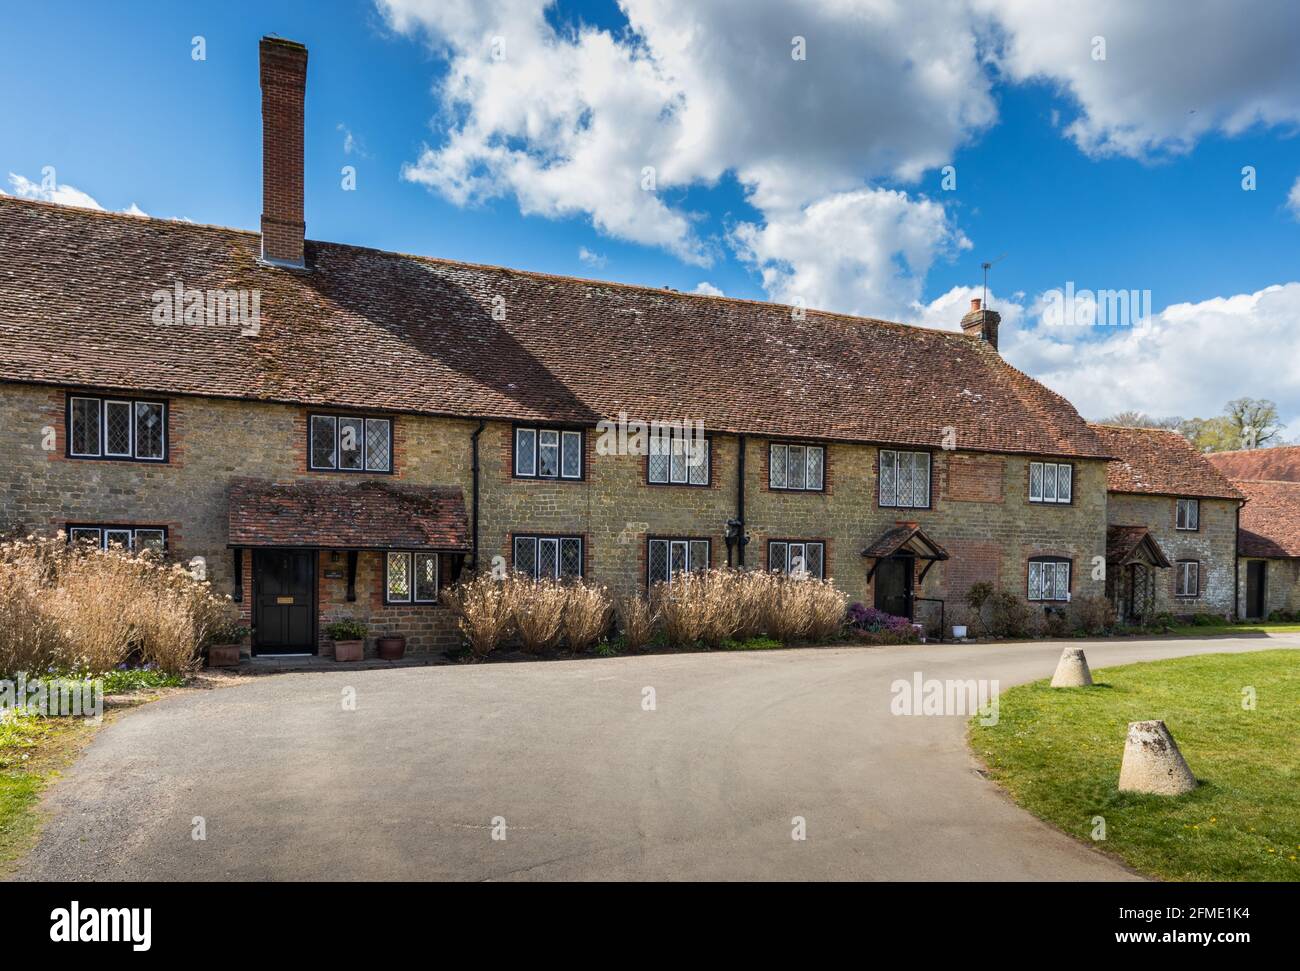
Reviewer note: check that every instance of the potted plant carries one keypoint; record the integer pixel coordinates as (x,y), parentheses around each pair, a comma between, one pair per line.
(391,647)
(349,637)
(224,651)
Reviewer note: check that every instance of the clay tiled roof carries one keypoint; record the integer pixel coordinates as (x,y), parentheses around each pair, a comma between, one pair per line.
(346,515)
(385,331)
(909,535)
(1270,519)
(1158,462)
(1280,463)
(1125,543)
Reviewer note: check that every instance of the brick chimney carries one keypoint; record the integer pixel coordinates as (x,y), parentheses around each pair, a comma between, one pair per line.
(982,323)
(284,83)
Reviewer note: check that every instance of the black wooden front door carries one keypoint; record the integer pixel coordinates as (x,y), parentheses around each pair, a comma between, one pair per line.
(285,581)
(894,585)
(1255,588)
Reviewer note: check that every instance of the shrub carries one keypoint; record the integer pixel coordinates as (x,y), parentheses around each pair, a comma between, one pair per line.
(483,610)
(875,621)
(680,608)
(1056,623)
(586,615)
(999,613)
(538,610)
(1092,615)
(347,629)
(637,619)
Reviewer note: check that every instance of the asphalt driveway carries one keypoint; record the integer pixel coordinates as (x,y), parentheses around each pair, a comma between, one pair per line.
(414,783)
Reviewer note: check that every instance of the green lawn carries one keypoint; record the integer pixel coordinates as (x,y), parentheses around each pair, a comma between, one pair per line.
(1058,752)
(1263,627)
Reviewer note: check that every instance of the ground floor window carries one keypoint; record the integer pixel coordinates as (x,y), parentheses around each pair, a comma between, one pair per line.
(669,557)
(548,557)
(134,538)
(411,578)
(797,558)
(1187,578)
(1049,578)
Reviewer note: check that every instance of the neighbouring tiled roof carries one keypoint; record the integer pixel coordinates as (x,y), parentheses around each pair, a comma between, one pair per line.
(346,515)
(1279,463)
(1122,543)
(894,539)
(1160,462)
(1270,519)
(386,331)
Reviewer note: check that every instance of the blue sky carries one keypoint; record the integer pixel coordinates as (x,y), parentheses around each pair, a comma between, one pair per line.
(1150,200)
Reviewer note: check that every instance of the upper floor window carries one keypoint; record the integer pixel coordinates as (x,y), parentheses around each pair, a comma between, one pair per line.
(797,467)
(905,479)
(411,578)
(678,457)
(801,559)
(666,558)
(1051,482)
(548,453)
(1187,578)
(1188,514)
(548,557)
(1049,578)
(117,428)
(351,443)
(133,538)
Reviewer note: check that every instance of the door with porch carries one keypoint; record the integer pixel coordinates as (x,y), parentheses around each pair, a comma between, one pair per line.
(894,584)
(285,617)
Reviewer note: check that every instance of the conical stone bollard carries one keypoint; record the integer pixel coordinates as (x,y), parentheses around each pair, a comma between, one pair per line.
(1152,762)
(1072,670)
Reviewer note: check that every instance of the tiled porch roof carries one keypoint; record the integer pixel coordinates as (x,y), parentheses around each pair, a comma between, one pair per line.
(906,535)
(347,515)
(1126,544)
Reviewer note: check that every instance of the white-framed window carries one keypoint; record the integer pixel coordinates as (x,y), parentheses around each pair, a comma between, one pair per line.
(548,557)
(801,558)
(132,429)
(134,538)
(1049,578)
(797,468)
(678,457)
(670,556)
(548,453)
(1188,515)
(1187,578)
(411,578)
(904,479)
(350,443)
(1051,482)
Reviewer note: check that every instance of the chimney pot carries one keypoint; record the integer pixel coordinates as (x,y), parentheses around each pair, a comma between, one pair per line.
(283,72)
(974,304)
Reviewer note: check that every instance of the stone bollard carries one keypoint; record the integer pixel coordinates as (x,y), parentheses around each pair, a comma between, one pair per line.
(1152,762)
(1072,670)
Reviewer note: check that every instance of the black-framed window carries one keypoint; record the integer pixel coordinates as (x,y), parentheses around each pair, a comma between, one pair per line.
(797,557)
(113,427)
(796,468)
(1051,482)
(548,453)
(904,479)
(666,557)
(678,456)
(410,578)
(1187,579)
(1187,515)
(349,443)
(133,538)
(1049,578)
(548,557)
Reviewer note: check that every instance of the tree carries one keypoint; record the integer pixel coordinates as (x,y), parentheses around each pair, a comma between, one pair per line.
(1254,422)
(1140,419)
(1210,434)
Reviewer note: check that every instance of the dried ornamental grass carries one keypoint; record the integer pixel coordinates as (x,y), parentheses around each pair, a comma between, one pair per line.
(587,611)
(637,618)
(538,610)
(484,612)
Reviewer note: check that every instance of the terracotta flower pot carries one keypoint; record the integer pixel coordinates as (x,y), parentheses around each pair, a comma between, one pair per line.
(223,656)
(349,650)
(392,647)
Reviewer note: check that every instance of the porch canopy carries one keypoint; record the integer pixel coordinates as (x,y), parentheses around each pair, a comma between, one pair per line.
(905,538)
(369,515)
(1126,545)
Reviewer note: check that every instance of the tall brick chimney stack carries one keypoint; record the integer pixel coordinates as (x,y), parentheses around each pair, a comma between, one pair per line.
(982,323)
(284,83)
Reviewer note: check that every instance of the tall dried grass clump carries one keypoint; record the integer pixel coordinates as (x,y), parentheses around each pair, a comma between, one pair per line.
(71,608)
(587,612)
(484,611)
(637,618)
(538,607)
(800,609)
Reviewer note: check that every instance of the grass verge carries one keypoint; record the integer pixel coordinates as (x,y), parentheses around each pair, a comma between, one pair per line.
(1057,751)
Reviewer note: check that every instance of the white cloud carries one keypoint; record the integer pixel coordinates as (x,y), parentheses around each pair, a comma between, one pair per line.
(1171,75)
(1293,199)
(707,289)
(351,143)
(591,258)
(60,193)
